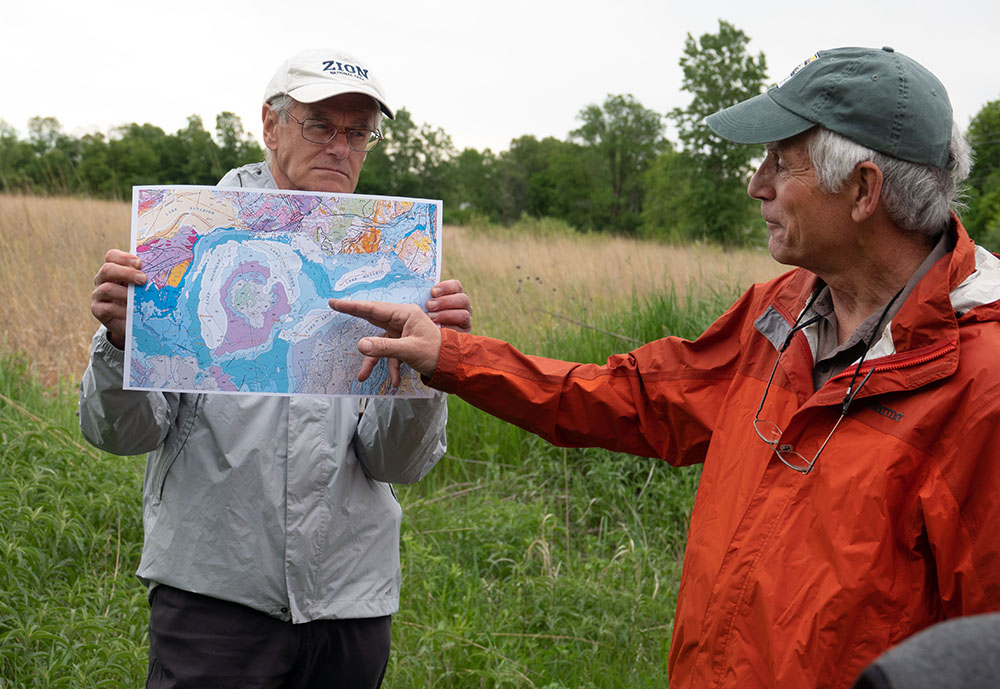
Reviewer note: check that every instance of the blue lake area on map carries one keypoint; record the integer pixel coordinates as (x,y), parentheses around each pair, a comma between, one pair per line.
(233,305)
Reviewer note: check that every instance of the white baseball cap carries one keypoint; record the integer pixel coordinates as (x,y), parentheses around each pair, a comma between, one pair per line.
(315,75)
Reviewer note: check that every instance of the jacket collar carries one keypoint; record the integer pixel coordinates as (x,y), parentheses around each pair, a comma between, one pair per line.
(924,342)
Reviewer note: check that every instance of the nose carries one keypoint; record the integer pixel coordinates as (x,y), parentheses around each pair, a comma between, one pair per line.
(760,186)
(337,146)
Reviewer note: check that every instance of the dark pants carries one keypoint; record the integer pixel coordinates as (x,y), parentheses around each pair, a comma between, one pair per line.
(199,642)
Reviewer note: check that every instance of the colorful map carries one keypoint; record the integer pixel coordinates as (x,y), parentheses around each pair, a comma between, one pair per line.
(238,283)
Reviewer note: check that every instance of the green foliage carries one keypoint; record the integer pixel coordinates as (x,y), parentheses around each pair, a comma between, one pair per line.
(473,197)
(982,219)
(410,161)
(235,146)
(524,564)
(534,178)
(718,73)
(552,178)
(627,137)
(543,227)
(51,162)
(665,211)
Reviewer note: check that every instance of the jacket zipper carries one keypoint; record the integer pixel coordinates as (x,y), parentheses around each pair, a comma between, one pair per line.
(915,361)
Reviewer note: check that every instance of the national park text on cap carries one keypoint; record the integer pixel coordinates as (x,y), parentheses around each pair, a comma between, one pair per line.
(315,75)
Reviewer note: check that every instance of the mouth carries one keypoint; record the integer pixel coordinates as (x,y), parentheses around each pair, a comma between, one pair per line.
(772,225)
(332,170)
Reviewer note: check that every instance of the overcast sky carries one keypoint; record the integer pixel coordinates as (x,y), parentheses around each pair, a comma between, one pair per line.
(485,72)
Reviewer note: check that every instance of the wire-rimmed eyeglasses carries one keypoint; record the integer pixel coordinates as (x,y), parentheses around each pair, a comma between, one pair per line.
(771,433)
(322,132)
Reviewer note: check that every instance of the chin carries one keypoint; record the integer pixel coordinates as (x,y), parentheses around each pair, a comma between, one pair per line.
(334,185)
(779,252)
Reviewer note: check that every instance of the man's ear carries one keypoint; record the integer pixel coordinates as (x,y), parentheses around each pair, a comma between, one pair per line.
(866,190)
(270,120)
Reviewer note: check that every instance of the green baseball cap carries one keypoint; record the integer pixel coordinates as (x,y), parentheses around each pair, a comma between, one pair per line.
(877,98)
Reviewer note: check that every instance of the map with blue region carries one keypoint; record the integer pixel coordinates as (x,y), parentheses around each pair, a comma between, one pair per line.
(238,283)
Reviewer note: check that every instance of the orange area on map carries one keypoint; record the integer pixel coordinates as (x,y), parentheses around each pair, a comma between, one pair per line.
(367,242)
(177,273)
(388,210)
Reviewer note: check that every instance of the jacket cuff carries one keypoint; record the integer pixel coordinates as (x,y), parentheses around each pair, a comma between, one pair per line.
(449,358)
(106,350)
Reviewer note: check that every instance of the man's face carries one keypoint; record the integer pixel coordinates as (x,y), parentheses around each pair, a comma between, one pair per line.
(808,227)
(306,166)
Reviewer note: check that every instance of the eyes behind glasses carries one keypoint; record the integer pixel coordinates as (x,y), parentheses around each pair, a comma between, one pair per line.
(322,132)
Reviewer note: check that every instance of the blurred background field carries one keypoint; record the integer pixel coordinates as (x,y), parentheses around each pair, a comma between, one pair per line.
(524,565)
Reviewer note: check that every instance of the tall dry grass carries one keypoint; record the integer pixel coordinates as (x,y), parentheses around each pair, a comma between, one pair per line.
(50,249)
(522,283)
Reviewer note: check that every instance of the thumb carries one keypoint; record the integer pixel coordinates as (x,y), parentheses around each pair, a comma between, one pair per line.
(381,347)
(421,356)
(378,346)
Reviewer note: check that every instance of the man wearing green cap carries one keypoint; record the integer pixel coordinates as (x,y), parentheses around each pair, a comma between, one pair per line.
(846,414)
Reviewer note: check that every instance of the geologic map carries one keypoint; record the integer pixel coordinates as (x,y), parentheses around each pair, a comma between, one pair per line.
(238,282)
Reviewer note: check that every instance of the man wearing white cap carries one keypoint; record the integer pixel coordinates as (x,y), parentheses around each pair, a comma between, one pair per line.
(271,532)
(846,415)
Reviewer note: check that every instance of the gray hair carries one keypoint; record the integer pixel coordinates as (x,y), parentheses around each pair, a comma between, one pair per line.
(919,198)
(281,105)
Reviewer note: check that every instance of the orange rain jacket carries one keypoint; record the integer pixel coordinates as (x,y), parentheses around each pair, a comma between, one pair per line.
(795,580)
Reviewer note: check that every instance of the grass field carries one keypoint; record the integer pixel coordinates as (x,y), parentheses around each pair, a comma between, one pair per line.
(524,565)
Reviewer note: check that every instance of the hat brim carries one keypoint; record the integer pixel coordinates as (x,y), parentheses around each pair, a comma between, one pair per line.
(313,93)
(758,120)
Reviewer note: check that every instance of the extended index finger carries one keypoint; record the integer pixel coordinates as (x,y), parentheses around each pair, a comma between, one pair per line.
(377,313)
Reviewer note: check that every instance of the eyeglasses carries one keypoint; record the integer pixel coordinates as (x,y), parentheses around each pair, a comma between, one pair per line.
(321,132)
(770,433)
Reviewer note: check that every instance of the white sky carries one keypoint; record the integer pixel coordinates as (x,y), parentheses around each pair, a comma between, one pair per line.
(484,72)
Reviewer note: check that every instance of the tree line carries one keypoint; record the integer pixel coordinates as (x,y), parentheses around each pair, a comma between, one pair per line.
(616,172)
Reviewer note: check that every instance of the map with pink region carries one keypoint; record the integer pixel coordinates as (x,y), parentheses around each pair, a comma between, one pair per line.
(236,300)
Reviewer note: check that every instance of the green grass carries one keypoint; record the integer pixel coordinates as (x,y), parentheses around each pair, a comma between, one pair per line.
(527,565)
(524,565)
(72,613)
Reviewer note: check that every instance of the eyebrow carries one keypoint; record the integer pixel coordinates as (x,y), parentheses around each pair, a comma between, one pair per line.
(359,123)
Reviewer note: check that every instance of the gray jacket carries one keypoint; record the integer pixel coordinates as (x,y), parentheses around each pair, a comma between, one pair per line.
(281,504)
